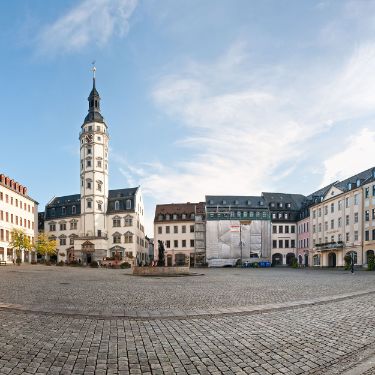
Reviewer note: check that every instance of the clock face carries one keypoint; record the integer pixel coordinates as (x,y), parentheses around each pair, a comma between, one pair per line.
(89,138)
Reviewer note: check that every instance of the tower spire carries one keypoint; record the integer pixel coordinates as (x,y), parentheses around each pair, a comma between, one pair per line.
(94,114)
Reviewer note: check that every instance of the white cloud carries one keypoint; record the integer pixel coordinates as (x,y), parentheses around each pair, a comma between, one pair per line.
(357,155)
(91,21)
(244,134)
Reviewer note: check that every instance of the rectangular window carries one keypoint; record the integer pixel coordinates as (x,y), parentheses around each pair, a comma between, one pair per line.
(274,244)
(319,227)
(314,228)
(175,229)
(160,230)
(183,243)
(367,192)
(192,243)
(280,244)
(274,229)
(168,244)
(347,202)
(280,229)
(286,243)
(292,243)
(356,217)
(89,204)
(332,207)
(347,236)
(62,241)
(373,213)
(339,222)
(184,229)
(314,214)
(326,225)
(367,235)
(286,228)
(167,229)
(367,215)
(325,210)
(191,228)
(356,199)
(332,224)
(88,163)
(320,212)
(355,235)
(373,234)
(62,226)
(293,229)
(175,243)
(347,220)
(339,205)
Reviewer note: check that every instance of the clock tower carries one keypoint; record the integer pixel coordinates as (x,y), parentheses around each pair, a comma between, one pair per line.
(93,180)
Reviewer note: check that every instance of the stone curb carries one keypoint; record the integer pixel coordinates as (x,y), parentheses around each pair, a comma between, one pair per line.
(181,315)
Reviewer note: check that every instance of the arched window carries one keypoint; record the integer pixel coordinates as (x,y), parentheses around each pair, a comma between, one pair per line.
(74,209)
(128,204)
(117,205)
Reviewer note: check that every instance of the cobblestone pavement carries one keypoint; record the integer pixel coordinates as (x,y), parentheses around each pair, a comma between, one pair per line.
(71,289)
(329,338)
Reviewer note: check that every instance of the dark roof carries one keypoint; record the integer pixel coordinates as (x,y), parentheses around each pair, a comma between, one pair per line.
(94,114)
(321,192)
(362,176)
(235,201)
(296,200)
(122,196)
(54,209)
(121,193)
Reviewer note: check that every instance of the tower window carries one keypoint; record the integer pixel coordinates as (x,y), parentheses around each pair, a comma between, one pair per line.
(91,103)
(74,209)
(88,163)
(88,185)
(89,204)
(99,163)
(117,205)
(96,104)
(89,150)
(99,206)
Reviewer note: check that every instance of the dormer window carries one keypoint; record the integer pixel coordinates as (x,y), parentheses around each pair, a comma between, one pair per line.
(183,216)
(63,210)
(349,186)
(248,203)
(174,217)
(117,205)
(74,209)
(160,217)
(167,217)
(224,201)
(261,203)
(128,204)
(236,201)
(211,201)
(358,182)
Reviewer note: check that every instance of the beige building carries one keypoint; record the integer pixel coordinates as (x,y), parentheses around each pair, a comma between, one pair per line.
(17,211)
(369,218)
(337,222)
(174,225)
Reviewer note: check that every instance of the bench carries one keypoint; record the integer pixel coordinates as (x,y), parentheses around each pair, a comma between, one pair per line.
(3,263)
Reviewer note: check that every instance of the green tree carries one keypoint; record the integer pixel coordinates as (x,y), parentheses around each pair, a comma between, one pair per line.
(20,241)
(44,246)
(371,262)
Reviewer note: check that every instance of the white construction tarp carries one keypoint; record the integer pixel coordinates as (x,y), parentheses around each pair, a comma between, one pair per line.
(224,239)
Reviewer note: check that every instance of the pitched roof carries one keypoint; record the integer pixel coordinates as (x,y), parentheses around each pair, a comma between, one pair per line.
(248,201)
(176,208)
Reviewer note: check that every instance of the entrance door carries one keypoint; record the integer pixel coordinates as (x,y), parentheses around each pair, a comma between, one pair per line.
(88,258)
(331,260)
(306,260)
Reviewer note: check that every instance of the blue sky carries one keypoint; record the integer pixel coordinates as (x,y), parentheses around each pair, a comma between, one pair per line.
(200,96)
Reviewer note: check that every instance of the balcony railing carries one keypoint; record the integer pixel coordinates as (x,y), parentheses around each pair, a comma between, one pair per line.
(329,245)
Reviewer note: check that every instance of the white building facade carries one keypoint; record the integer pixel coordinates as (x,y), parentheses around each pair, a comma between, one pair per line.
(98,223)
(17,211)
